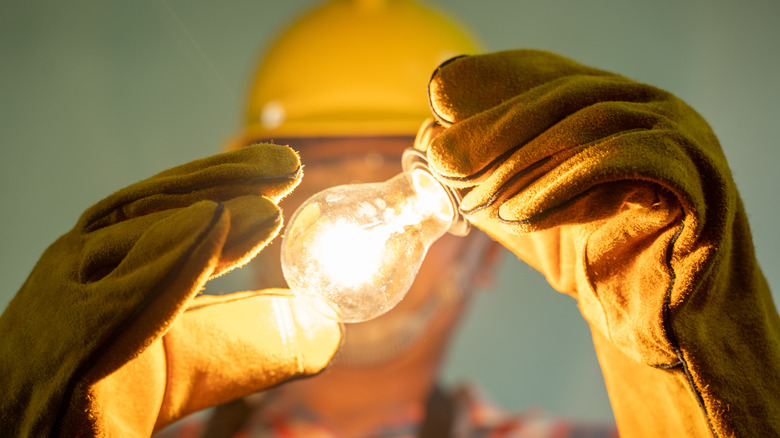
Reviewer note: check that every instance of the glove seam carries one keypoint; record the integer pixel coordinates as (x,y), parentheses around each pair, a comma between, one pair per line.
(493,163)
(216,182)
(546,212)
(499,193)
(120,206)
(671,336)
(438,116)
(167,358)
(235,299)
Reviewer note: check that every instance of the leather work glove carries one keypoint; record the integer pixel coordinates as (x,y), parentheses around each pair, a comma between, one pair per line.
(620,194)
(105,338)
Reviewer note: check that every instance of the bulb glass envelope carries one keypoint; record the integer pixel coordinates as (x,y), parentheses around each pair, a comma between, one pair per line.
(360,246)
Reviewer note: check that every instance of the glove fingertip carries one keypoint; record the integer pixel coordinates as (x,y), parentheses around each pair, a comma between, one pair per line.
(441,107)
(278,168)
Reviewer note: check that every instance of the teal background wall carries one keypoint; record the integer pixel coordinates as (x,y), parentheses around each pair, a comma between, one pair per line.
(95,95)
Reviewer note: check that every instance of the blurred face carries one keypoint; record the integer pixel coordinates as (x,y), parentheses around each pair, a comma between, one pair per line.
(438,288)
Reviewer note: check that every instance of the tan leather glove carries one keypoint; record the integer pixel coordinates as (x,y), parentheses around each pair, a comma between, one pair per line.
(620,194)
(105,338)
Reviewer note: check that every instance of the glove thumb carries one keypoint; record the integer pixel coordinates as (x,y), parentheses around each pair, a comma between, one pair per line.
(226,347)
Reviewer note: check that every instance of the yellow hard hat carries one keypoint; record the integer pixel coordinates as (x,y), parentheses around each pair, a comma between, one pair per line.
(352,68)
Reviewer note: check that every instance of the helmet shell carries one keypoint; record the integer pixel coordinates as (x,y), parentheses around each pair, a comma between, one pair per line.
(352,68)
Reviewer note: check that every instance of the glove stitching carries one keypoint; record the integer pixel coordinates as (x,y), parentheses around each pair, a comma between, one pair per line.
(234,299)
(542,215)
(115,215)
(509,183)
(438,116)
(671,336)
(216,182)
(509,152)
(168,366)
(86,366)
(479,173)
(538,217)
(118,213)
(668,366)
(545,213)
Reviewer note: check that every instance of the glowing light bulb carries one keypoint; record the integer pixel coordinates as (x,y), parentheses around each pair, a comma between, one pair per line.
(360,246)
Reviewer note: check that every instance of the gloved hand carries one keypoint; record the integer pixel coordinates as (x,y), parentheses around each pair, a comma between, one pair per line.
(620,194)
(105,338)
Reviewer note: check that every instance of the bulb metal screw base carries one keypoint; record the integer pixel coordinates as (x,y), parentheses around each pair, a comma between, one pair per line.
(413,159)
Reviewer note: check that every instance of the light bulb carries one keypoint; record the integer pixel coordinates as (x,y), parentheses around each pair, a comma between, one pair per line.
(359,246)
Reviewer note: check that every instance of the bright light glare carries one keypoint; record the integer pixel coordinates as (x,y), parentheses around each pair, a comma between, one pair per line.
(359,247)
(431,196)
(351,254)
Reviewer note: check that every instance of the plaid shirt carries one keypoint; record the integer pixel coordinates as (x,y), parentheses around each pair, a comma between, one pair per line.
(478,418)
